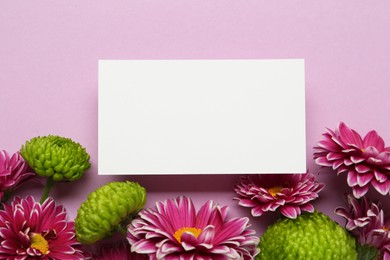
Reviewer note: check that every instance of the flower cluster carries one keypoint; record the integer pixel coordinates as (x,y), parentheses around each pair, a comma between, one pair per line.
(366,221)
(174,229)
(366,161)
(31,229)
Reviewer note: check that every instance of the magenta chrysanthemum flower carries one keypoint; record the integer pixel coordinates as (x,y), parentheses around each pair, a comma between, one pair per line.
(29,230)
(175,231)
(366,222)
(289,193)
(366,161)
(13,171)
(121,251)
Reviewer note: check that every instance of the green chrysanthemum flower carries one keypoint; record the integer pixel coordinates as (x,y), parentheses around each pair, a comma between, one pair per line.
(56,157)
(107,209)
(309,236)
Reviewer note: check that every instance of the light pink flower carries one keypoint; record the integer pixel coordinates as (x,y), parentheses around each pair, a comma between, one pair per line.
(29,230)
(289,193)
(119,251)
(366,161)
(13,171)
(365,220)
(175,231)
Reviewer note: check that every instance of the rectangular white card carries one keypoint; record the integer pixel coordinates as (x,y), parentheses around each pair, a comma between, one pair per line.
(201,116)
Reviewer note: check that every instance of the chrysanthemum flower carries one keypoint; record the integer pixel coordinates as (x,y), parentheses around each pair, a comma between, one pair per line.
(56,157)
(366,222)
(175,231)
(29,230)
(121,251)
(309,236)
(13,171)
(108,209)
(366,160)
(289,193)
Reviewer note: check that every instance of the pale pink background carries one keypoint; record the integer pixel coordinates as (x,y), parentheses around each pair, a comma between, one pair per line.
(48,73)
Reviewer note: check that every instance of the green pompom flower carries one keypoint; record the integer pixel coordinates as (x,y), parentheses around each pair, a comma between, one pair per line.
(309,236)
(108,209)
(56,157)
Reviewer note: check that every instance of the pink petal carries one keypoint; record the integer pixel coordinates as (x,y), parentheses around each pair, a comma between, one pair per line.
(385,157)
(174,216)
(356,159)
(364,179)
(352,179)
(361,168)
(359,192)
(166,249)
(328,145)
(207,235)
(143,247)
(307,207)
(188,241)
(334,156)
(203,216)
(187,211)
(382,188)
(348,162)
(323,161)
(373,139)
(230,229)
(371,152)
(257,211)
(380,177)
(290,211)
(349,136)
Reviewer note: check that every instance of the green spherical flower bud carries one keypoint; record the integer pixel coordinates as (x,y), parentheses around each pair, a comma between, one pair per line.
(56,157)
(107,209)
(309,236)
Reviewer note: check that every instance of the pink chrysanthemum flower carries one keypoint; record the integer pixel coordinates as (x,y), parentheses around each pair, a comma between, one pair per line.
(13,171)
(289,193)
(121,251)
(175,231)
(29,230)
(365,220)
(366,161)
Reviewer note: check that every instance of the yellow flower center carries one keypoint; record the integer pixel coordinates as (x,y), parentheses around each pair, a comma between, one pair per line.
(195,231)
(40,243)
(275,190)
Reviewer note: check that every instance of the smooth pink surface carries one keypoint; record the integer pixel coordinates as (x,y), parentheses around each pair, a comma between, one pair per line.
(48,73)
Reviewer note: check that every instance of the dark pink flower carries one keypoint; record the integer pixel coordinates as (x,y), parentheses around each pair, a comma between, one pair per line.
(366,222)
(121,251)
(13,171)
(29,230)
(175,231)
(289,193)
(366,161)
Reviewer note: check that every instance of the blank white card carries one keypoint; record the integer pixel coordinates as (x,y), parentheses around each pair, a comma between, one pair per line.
(201,116)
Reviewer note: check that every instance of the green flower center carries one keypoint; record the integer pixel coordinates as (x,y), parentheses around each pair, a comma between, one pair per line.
(195,231)
(39,242)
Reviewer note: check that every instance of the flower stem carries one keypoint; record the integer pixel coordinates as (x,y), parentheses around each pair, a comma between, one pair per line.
(7,194)
(46,190)
(366,252)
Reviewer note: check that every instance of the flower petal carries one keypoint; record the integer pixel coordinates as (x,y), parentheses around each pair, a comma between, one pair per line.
(290,211)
